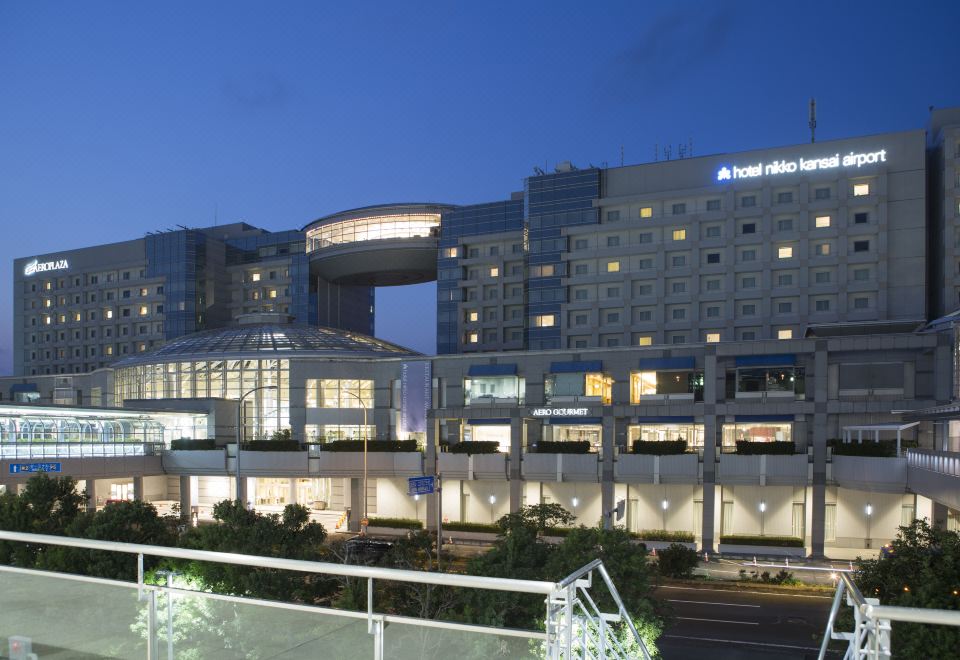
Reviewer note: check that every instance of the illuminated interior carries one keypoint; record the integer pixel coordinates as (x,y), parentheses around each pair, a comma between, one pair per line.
(587,388)
(381,227)
(336,393)
(669,383)
(574,433)
(499,433)
(691,433)
(757,432)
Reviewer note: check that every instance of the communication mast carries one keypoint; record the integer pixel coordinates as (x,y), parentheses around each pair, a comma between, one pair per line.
(813,119)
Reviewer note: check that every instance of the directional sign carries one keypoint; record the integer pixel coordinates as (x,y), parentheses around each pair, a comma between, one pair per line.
(419,485)
(20,468)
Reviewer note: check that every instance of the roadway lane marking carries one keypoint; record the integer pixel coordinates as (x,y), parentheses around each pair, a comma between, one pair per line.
(703,602)
(745,592)
(693,618)
(739,641)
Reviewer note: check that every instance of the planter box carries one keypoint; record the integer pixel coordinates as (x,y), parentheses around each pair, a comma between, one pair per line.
(651,469)
(195,462)
(478,537)
(394,532)
(561,467)
(379,464)
(763,470)
(661,545)
(762,550)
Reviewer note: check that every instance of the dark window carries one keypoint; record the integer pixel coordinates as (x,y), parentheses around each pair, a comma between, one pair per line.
(679,209)
(713,204)
(749,228)
(821,193)
(748,200)
(861,218)
(613,216)
(713,258)
(861,246)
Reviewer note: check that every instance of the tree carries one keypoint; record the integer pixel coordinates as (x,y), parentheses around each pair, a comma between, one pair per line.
(677,561)
(923,570)
(46,506)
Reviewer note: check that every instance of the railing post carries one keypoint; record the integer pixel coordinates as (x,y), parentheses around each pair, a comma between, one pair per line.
(152,647)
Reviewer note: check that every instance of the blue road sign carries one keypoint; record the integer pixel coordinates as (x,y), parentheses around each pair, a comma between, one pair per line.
(20,468)
(419,485)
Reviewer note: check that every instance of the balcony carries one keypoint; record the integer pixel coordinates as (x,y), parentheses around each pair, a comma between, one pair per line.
(384,464)
(764,470)
(561,467)
(875,474)
(489,467)
(935,474)
(195,462)
(647,469)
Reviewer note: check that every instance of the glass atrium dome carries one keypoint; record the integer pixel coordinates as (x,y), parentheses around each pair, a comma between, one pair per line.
(229,362)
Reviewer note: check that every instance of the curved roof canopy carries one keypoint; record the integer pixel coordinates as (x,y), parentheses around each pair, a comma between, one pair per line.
(268,341)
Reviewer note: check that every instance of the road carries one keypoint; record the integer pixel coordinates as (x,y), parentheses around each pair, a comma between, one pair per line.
(742,625)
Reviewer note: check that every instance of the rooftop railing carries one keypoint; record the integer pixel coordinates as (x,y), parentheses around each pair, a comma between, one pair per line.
(46,612)
(944,462)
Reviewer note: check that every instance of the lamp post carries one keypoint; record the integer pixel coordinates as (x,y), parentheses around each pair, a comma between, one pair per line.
(363,521)
(492,500)
(664,505)
(868,510)
(763,509)
(240,496)
(575,502)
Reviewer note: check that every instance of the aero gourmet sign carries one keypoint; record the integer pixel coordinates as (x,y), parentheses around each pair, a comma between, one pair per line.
(37,266)
(775,167)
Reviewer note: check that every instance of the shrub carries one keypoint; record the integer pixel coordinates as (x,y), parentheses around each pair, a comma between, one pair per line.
(186,444)
(663,535)
(561,532)
(662,447)
(749,448)
(677,561)
(372,445)
(563,447)
(748,539)
(272,445)
(884,448)
(470,527)
(475,447)
(396,523)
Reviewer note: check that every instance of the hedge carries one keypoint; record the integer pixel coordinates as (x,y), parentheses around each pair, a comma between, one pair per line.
(747,539)
(396,523)
(663,535)
(884,448)
(372,445)
(749,448)
(558,531)
(475,447)
(273,445)
(186,444)
(470,527)
(660,447)
(563,447)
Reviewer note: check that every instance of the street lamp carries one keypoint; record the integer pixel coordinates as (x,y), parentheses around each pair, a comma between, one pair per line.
(869,511)
(492,500)
(240,496)
(763,508)
(664,505)
(363,521)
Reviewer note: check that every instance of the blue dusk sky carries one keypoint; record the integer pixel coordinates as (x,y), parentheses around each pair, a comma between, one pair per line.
(118,118)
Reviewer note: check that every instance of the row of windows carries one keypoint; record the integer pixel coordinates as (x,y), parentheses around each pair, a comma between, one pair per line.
(475,252)
(91,351)
(710,336)
(106,332)
(77,280)
(125,294)
(257,276)
(106,314)
(492,336)
(267,294)
(746,200)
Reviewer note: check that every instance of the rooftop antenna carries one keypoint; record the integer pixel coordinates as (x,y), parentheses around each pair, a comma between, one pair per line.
(813,119)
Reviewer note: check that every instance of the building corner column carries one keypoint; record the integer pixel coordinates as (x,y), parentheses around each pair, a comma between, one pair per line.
(607,448)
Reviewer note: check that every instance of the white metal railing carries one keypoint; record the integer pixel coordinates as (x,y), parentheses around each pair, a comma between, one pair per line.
(870,638)
(944,462)
(575,626)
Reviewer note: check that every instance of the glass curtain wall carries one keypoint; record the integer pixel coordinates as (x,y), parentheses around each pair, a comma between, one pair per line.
(414,225)
(494,389)
(336,393)
(757,432)
(691,433)
(587,388)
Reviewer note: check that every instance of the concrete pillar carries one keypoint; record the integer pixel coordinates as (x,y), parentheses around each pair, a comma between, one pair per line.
(356,504)
(712,384)
(430,466)
(91,487)
(939,515)
(608,435)
(244,495)
(186,498)
(818,500)
(515,458)
(138,488)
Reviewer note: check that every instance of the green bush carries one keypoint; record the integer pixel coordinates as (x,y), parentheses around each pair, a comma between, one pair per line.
(372,445)
(475,447)
(470,527)
(563,447)
(273,445)
(749,448)
(882,449)
(663,535)
(661,448)
(561,532)
(677,561)
(396,523)
(186,444)
(749,539)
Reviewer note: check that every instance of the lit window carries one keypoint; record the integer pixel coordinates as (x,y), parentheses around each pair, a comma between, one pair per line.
(254,277)
(143,292)
(62,318)
(822,221)
(472,316)
(451,253)
(76,316)
(108,350)
(785,334)
(108,313)
(544,320)
(646,212)
(473,338)
(613,266)
(822,249)
(861,189)
(713,337)
(679,234)
(272,293)
(494,271)
(144,310)
(644,341)
(48,303)
(785,252)
(141,347)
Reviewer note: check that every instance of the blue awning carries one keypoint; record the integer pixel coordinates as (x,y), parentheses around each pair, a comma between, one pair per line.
(785,359)
(576,420)
(23,387)
(764,418)
(666,419)
(591,366)
(490,421)
(686,362)
(492,370)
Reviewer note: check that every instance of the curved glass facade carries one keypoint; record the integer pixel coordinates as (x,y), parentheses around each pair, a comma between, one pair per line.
(373,228)
(265,411)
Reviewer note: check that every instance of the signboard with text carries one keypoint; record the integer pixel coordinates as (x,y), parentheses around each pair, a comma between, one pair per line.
(23,468)
(559,412)
(420,485)
(416,386)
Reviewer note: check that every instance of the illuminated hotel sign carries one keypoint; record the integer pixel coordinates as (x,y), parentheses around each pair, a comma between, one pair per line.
(36,266)
(559,412)
(826,162)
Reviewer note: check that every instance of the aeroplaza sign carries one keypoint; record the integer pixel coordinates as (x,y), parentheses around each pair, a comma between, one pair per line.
(37,266)
(775,167)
